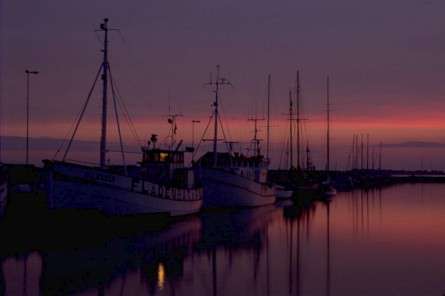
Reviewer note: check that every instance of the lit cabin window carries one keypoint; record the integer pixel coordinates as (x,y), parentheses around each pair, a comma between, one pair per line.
(163,156)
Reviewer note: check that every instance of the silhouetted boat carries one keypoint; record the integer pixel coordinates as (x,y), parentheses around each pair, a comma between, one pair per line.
(236,181)
(160,184)
(232,179)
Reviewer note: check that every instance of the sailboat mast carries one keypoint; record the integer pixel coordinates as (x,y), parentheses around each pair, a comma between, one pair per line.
(103,137)
(298,121)
(215,115)
(328,118)
(268,117)
(255,138)
(291,132)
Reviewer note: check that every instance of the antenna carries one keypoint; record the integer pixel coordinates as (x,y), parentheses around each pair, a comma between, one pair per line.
(255,140)
(216,85)
(171,119)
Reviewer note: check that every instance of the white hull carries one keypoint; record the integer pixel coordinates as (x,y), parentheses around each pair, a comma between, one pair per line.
(71,195)
(67,190)
(225,189)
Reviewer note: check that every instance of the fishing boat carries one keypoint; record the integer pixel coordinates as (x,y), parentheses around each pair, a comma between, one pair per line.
(160,183)
(232,179)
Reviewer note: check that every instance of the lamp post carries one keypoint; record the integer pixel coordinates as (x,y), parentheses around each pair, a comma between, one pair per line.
(193,136)
(28,74)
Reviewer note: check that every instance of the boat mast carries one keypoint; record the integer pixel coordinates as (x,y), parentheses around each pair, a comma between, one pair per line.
(328,118)
(268,117)
(256,140)
(215,115)
(103,137)
(219,82)
(298,121)
(291,132)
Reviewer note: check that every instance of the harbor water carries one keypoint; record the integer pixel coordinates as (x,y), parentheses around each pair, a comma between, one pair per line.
(377,242)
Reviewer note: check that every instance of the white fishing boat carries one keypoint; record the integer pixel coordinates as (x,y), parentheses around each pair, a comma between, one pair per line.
(236,181)
(232,179)
(159,184)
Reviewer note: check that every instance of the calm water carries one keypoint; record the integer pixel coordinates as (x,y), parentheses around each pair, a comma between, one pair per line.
(388,242)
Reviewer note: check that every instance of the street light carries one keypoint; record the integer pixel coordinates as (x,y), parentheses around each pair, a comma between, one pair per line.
(193,136)
(28,73)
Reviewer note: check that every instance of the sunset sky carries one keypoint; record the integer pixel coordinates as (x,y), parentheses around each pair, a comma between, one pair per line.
(386,60)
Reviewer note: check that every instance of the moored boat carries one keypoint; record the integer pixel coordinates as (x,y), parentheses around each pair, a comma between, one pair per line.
(232,179)
(160,184)
(236,181)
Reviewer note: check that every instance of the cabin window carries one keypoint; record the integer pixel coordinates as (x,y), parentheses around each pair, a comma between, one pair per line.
(163,156)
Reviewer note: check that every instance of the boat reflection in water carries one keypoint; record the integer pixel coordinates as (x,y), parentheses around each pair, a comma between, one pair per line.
(197,254)
(356,244)
(231,252)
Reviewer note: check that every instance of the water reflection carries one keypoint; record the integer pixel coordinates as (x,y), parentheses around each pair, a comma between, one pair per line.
(361,243)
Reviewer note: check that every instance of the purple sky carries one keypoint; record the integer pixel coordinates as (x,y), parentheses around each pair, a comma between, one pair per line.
(386,60)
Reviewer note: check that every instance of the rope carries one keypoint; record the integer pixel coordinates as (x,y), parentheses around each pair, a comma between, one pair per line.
(224,133)
(81,114)
(126,114)
(116,114)
(203,135)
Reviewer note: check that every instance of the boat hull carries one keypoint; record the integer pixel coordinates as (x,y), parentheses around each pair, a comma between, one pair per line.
(225,189)
(67,190)
(71,195)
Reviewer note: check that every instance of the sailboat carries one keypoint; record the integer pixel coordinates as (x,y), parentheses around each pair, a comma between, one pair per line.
(159,184)
(326,188)
(281,192)
(232,179)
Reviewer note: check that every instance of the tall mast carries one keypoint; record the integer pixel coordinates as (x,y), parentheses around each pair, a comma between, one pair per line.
(298,121)
(219,82)
(367,151)
(291,132)
(268,117)
(380,156)
(362,164)
(328,118)
(103,137)
(215,115)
